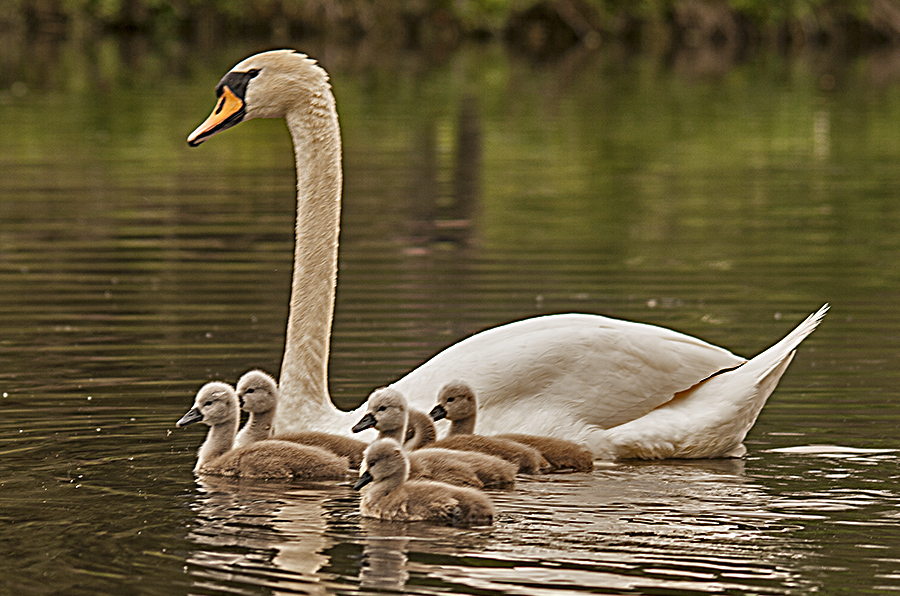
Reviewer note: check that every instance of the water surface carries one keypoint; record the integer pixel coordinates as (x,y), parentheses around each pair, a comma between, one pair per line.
(479,189)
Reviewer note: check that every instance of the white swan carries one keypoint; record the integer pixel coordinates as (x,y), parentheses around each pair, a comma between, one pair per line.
(623,389)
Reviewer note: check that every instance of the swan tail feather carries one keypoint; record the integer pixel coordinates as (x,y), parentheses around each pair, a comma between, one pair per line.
(768,380)
(776,358)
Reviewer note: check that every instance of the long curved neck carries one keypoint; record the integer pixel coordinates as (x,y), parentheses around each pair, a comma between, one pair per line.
(304,371)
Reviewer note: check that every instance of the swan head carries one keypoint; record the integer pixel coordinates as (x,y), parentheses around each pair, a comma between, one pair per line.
(382,459)
(257,392)
(266,85)
(386,411)
(216,403)
(456,401)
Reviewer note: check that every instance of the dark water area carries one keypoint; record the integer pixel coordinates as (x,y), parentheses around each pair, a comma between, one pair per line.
(478,189)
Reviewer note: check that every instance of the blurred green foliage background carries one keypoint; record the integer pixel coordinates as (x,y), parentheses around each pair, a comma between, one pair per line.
(540,26)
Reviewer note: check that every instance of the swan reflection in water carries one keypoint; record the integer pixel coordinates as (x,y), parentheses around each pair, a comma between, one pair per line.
(383,565)
(675,525)
(263,533)
(385,562)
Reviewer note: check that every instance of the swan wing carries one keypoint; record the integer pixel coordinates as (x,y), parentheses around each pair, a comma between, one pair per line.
(602,372)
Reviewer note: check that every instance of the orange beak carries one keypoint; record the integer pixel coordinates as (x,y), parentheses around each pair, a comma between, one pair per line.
(229,111)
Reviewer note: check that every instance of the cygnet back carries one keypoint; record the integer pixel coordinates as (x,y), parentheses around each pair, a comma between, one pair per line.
(462,468)
(563,455)
(280,459)
(527,459)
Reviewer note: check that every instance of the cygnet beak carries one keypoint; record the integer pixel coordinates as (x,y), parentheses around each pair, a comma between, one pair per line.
(193,415)
(364,479)
(367,421)
(438,412)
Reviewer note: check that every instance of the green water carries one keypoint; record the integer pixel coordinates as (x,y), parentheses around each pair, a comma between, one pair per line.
(478,189)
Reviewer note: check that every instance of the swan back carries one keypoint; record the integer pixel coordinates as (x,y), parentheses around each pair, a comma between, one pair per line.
(712,418)
(392,497)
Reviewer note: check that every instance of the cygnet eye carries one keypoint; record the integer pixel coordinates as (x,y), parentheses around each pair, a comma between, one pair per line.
(250,390)
(449,399)
(208,403)
(381,409)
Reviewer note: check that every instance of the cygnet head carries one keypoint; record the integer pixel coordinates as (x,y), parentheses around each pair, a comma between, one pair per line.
(216,403)
(267,85)
(386,412)
(383,459)
(257,392)
(456,401)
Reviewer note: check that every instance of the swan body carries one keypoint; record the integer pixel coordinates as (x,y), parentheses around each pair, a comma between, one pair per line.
(392,496)
(216,405)
(388,413)
(257,392)
(574,376)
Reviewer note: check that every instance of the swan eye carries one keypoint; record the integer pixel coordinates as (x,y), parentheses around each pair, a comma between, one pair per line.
(237,82)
